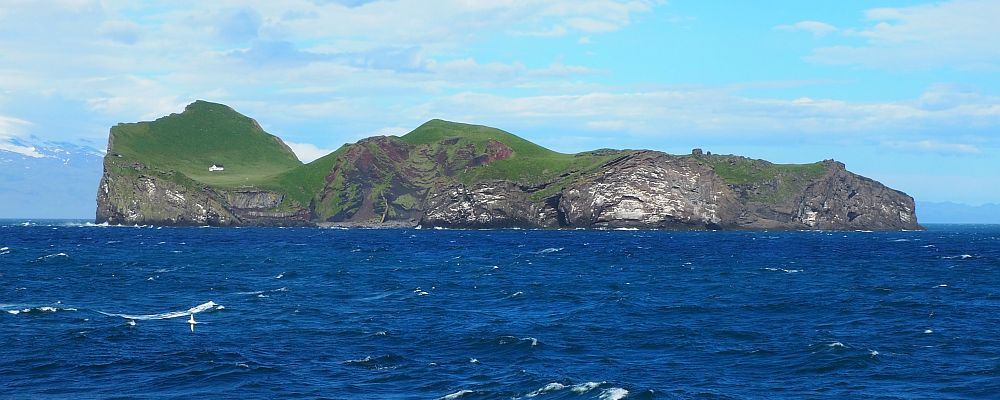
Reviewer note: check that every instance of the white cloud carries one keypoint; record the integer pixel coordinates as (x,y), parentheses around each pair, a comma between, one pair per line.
(815,27)
(12,127)
(23,150)
(953,34)
(934,146)
(307,152)
(723,111)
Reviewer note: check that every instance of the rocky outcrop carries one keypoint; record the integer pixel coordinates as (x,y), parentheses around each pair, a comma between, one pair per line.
(136,199)
(134,195)
(649,189)
(843,200)
(497,204)
(653,190)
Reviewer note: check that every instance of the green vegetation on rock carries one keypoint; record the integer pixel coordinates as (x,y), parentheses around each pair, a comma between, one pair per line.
(203,135)
(773,183)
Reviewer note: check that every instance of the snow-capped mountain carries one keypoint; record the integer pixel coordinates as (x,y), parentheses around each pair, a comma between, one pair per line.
(48,180)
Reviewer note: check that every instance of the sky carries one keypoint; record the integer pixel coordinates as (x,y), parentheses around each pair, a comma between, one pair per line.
(905,92)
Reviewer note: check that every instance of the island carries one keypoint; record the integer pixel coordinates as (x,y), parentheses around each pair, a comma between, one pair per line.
(210,165)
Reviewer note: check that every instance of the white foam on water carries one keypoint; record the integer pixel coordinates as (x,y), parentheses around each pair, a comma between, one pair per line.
(56,255)
(928,331)
(614,394)
(474,361)
(586,387)
(25,309)
(515,294)
(837,344)
(279,276)
(928,246)
(167,315)
(261,293)
(550,250)
(787,271)
(534,342)
(873,352)
(960,257)
(552,387)
(941,285)
(455,395)
(626,229)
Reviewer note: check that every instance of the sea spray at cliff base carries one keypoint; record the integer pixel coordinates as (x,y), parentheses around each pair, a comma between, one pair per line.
(492,314)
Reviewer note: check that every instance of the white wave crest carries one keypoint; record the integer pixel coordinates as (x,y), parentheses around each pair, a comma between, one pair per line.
(552,387)
(23,309)
(550,250)
(787,271)
(262,292)
(455,395)
(586,387)
(167,315)
(614,394)
(51,256)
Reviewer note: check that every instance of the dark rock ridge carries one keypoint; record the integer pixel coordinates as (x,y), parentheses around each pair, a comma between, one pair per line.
(465,176)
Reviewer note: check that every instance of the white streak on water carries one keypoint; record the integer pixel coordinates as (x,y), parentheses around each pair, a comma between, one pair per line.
(167,315)
(455,395)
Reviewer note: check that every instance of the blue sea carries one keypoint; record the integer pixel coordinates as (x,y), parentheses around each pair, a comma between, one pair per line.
(103,312)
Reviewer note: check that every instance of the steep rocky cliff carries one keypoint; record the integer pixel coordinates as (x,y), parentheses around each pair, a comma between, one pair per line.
(446,174)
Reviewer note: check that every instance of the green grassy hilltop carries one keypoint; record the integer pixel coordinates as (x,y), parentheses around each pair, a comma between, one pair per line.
(205,134)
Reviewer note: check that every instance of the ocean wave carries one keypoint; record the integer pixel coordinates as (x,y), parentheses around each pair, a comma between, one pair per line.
(52,257)
(211,305)
(789,271)
(455,395)
(960,257)
(263,292)
(16,310)
(586,387)
(550,250)
(552,387)
(4,250)
(507,339)
(387,361)
(614,394)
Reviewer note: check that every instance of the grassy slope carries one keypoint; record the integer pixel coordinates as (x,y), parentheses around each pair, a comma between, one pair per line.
(205,134)
(793,178)
(530,163)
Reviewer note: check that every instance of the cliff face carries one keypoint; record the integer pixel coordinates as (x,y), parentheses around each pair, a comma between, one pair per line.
(466,176)
(141,196)
(652,190)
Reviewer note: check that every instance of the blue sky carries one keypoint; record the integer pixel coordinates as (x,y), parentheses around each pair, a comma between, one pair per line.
(906,92)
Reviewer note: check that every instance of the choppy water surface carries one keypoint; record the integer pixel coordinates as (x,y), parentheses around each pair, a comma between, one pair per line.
(90,311)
